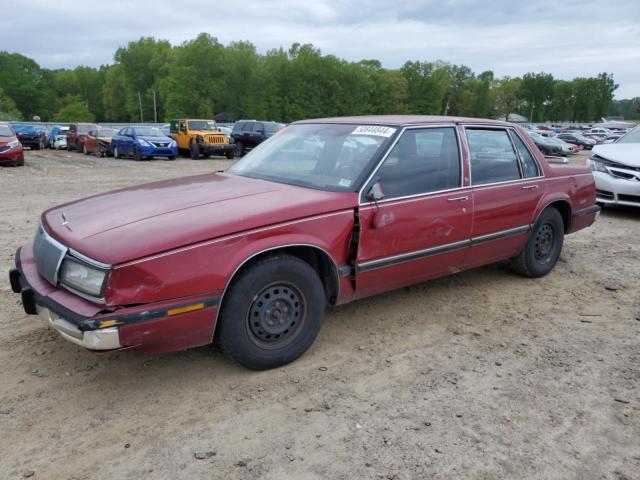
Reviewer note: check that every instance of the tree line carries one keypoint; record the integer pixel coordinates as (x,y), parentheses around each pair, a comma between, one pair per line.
(202,78)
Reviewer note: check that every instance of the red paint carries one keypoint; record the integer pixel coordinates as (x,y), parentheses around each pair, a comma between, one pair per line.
(13,156)
(179,240)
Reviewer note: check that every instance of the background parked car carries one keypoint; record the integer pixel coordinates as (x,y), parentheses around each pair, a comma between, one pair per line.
(11,151)
(249,133)
(77,134)
(143,142)
(98,141)
(55,132)
(29,136)
(577,139)
(544,145)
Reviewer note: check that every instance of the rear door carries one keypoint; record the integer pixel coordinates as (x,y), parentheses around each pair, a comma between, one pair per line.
(421,228)
(507,187)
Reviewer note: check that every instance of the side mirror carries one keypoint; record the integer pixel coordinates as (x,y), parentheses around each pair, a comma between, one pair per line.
(375,193)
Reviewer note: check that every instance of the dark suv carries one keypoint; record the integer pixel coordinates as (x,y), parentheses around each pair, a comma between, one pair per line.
(249,133)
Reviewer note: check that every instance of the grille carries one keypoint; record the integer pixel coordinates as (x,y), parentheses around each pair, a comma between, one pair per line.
(215,138)
(160,144)
(48,254)
(629,198)
(604,194)
(4,149)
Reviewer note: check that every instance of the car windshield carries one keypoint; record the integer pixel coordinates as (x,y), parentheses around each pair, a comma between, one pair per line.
(272,127)
(24,128)
(5,131)
(632,137)
(202,125)
(149,132)
(85,128)
(107,132)
(333,157)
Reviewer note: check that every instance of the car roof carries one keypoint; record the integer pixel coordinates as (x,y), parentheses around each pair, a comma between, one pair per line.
(404,120)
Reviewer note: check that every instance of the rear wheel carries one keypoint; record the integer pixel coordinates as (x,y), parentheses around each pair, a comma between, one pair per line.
(116,153)
(230,154)
(272,312)
(542,250)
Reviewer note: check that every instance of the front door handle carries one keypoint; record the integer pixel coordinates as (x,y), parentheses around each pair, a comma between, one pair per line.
(464,198)
(530,187)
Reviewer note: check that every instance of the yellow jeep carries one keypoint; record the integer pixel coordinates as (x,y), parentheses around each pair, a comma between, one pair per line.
(200,137)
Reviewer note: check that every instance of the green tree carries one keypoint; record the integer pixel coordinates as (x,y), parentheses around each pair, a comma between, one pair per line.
(74,111)
(8,109)
(537,90)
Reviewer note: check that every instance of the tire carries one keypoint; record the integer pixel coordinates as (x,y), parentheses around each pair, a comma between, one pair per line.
(79,146)
(84,149)
(172,158)
(284,285)
(116,153)
(194,151)
(230,154)
(543,247)
(68,147)
(239,149)
(136,154)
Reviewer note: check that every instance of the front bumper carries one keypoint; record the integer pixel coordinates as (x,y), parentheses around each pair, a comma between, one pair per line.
(616,191)
(158,327)
(12,156)
(157,151)
(216,148)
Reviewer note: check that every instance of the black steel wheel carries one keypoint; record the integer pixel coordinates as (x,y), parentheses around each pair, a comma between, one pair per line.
(272,312)
(543,247)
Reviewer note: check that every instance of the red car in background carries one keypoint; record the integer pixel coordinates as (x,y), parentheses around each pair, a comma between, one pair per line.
(77,135)
(98,141)
(325,212)
(11,150)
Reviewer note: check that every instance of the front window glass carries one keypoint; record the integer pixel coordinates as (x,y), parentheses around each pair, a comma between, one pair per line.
(423,161)
(107,132)
(325,156)
(202,125)
(492,157)
(149,132)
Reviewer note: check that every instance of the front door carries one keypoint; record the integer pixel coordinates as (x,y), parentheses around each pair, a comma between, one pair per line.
(421,228)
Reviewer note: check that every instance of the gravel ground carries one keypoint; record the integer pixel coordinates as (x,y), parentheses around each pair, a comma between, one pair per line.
(483,374)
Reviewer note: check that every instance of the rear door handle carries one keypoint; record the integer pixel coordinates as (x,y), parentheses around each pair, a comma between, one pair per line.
(464,198)
(530,187)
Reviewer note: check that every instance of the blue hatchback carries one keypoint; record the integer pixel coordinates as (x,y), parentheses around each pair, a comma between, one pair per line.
(143,142)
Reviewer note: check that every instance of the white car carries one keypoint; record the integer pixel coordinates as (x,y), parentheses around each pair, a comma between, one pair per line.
(567,148)
(60,143)
(600,131)
(616,169)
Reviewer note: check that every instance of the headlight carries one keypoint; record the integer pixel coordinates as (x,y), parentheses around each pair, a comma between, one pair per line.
(199,139)
(82,277)
(143,142)
(13,144)
(596,165)
(172,144)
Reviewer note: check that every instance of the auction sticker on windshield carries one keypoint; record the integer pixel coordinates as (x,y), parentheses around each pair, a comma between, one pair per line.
(375,130)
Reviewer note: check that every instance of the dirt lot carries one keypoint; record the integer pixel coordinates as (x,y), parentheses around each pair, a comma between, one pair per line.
(481,375)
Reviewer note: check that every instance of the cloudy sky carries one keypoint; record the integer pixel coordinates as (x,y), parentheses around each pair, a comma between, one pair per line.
(567,38)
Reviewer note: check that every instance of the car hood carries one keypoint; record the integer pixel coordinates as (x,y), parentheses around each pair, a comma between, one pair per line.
(105,139)
(627,153)
(136,222)
(206,132)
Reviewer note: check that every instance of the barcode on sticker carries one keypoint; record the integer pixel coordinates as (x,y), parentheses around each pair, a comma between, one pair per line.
(375,130)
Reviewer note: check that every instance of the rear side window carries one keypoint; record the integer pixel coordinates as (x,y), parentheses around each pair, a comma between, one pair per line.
(493,159)
(529,166)
(423,161)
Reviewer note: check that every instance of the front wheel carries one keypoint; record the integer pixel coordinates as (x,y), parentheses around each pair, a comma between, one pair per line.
(116,153)
(194,150)
(230,154)
(543,247)
(272,312)
(239,149)
(84,149)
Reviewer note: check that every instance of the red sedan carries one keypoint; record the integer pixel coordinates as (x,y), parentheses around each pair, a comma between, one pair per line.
(325,212)
(11,151)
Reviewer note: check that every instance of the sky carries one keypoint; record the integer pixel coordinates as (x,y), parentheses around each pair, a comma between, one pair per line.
(567,38)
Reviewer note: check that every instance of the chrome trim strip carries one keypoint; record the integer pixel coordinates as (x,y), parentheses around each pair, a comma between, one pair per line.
(447,247)
(230,237)
(392,146)
(500,234)
(404,257)
(417,196)
(90,261)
